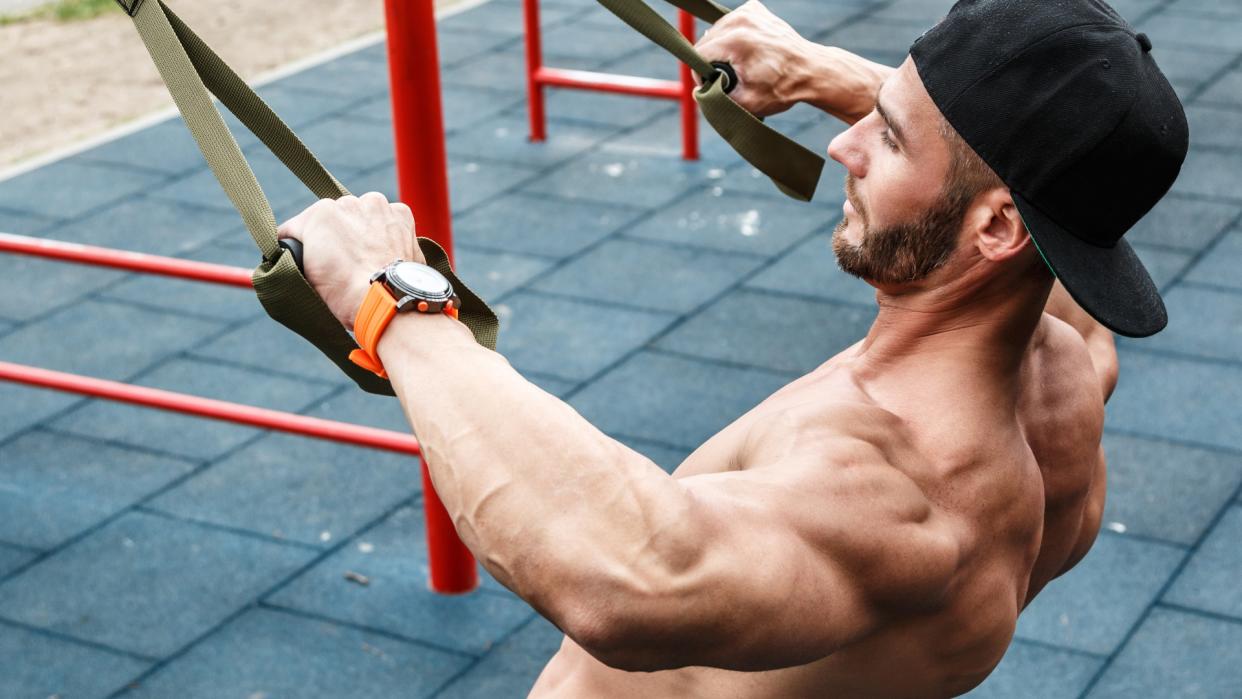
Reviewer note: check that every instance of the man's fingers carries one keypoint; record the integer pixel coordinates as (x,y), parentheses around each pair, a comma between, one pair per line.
(294,226)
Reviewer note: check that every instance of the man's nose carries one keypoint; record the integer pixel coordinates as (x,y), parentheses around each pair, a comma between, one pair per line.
(847,149)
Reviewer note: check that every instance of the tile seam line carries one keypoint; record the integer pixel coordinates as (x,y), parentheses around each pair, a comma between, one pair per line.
(1158,598)
(470,667)
(66,638)
(254,602)
(270,76)
(306,615)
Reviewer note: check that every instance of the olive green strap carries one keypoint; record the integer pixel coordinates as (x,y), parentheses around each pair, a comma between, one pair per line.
(792,167)
(190,68)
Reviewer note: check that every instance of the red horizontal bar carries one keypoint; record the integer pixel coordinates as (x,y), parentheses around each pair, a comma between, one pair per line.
(607,82)
(331,430)
(122,259)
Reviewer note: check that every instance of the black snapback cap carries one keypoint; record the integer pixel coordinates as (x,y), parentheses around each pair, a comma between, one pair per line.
(1062,99)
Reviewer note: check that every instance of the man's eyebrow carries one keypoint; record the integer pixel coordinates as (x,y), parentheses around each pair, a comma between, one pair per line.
(893,125)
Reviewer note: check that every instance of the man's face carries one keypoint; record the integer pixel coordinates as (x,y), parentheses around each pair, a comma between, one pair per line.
(897,227)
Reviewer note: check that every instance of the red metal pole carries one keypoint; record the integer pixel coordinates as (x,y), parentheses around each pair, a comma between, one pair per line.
(121,259)
(534,62)
(608,82)
(689,112)
(418,117)
(422,177)
(330,430)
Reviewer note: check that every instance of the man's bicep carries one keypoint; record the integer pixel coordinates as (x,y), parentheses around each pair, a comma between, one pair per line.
(798,562)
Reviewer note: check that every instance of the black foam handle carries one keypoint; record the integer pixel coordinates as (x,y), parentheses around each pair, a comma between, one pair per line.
(295,248)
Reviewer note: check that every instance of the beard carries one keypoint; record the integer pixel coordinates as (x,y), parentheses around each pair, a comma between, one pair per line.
(901,253)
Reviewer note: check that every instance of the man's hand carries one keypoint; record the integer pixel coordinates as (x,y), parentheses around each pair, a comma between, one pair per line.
(347,240)
(767,54)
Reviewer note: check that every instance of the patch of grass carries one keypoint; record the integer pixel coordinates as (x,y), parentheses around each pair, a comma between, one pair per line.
(64,11)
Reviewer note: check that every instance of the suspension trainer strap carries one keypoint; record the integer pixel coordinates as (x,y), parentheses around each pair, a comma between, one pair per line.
(191,70)
(792,167)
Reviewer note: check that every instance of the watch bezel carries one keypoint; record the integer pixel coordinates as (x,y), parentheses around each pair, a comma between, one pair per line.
(402,289)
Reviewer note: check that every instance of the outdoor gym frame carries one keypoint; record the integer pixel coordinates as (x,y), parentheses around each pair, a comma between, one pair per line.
(422,182)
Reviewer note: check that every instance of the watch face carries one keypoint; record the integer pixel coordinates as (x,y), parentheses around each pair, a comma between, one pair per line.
(419,280)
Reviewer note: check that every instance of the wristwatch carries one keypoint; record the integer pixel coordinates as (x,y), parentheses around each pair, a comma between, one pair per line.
(401,287)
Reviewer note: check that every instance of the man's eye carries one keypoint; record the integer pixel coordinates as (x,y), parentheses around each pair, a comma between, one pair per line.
(888,141)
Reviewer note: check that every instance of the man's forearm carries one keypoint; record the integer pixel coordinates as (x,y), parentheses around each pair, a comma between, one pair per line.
(839,82)
(547,502)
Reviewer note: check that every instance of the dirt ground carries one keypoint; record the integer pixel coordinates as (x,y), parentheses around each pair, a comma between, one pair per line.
(62,82)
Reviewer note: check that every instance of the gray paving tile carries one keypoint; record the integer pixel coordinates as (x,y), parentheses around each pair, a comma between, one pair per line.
(1221,264)
(506,138)
(778,333)
(650,62)
(343,144)
(70,188)
(264,344)
(511,668)
(662,138)
(1215,126)
(1176,655)
(458,46)
(503,18)
(149,225)
(471,182)
(279,185)
(506,69)
(20,223)
(227,303)
(1189,224)
(166,146)
(353,75)
(464,106)
(649,276)
(1210,579)
(569,339)
(1191,30)
(1093,607)
(523,224)
(271,653)
(588,41)
(615,178)
(1215,8)
(84,338)
(32,287)
(22,407)
(296,488)
(41,666)
(673,400)
(12,558)
(53,487)
(1210,173)
(362,408)
(926,11)
(189,436)
(491,275)
(154,584)
(829,194)
(1163,265)
(1202,322)
(735,223)
(1225,91)
(1189,68)
(811,269)
(1166,491)
(1178,399)
(1029,671)
(885,41)
(397,599)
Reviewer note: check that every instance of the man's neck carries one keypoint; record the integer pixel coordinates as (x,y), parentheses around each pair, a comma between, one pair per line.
(976,326)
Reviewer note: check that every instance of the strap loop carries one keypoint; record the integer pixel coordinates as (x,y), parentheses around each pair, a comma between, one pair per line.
(791,166)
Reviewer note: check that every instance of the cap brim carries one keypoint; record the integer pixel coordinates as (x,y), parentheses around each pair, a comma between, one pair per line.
(1111,284)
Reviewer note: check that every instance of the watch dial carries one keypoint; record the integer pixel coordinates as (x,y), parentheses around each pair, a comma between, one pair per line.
(421,278)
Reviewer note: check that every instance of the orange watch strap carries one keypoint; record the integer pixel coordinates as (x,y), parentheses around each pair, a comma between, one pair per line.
(376,312)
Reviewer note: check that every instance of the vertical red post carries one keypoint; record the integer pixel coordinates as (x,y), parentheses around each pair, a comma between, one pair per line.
(422,182)
(452,566)
(689,111)
(534,61)
(418,117)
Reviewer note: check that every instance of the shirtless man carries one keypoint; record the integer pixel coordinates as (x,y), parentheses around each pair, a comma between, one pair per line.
(875,527)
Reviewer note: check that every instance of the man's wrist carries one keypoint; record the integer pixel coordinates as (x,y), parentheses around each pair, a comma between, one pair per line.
(839,82)
(416,337)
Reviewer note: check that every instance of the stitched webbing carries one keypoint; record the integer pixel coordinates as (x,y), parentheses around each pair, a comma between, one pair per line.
(793,168)
(190,69)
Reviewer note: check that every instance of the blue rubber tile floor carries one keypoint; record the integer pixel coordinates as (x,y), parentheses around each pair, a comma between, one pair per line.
(146,554)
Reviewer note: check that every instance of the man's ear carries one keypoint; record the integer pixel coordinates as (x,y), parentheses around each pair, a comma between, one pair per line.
(997,226)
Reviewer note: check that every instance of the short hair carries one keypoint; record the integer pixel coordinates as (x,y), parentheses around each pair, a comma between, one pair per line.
(968,174)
